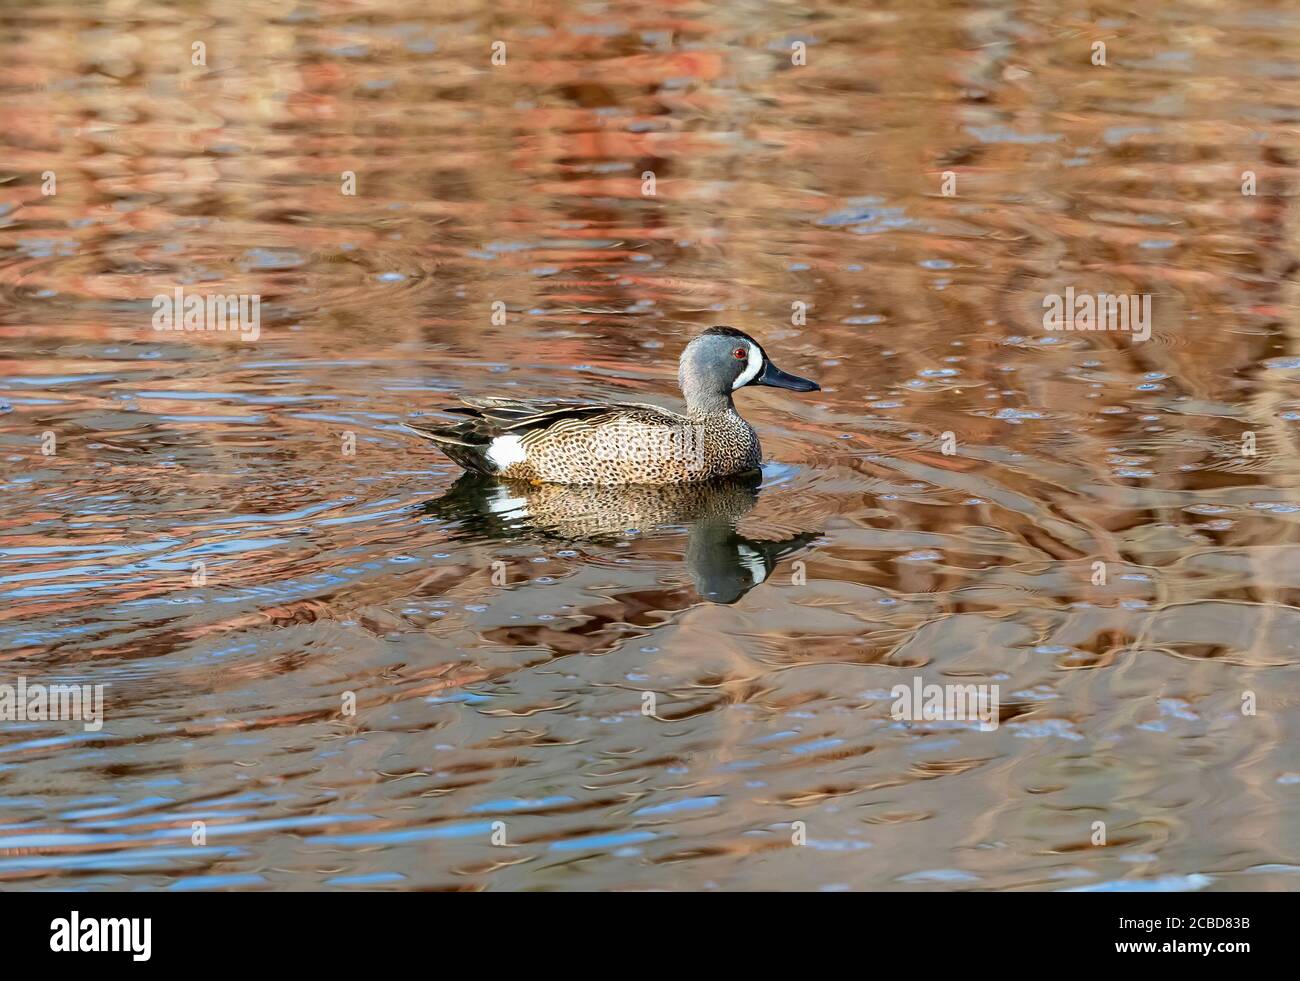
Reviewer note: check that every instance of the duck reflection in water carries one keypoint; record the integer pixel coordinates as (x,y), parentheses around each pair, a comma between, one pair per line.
(723,564)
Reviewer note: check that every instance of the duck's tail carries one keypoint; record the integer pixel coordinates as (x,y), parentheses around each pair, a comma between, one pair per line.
(461,444)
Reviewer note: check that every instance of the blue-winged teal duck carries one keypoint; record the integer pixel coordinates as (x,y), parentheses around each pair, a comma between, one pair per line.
(570,442)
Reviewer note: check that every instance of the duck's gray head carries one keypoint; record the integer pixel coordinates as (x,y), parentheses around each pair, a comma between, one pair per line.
(723,359)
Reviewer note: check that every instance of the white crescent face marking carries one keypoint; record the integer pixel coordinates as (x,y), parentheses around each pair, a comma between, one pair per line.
(752,369)
(506,450)
(754,563)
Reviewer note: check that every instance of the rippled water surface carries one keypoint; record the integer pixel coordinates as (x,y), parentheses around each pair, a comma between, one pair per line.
(205,540)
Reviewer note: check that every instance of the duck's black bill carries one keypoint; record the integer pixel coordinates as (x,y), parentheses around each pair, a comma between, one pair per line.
(774,376)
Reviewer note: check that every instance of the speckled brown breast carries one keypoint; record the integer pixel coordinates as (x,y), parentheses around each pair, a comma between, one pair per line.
(638,446)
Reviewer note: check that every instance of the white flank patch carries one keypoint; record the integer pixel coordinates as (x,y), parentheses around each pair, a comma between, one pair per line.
(502,502)
(751,370)
(505,451)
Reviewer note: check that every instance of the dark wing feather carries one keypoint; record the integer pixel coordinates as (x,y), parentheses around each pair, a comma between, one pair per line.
(515,415)
(511,415)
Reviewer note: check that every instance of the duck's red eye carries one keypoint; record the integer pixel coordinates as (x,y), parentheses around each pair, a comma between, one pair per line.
(740,354)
